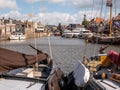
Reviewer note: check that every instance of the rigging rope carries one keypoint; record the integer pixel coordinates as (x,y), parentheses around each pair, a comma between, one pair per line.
(115,7)
(101,8)
(105,11)
(92,9)
(97,38)
(36,64)
(49,43)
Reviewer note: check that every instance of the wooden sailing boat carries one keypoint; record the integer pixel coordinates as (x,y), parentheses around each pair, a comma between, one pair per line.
(105,71)
(17,71)
(110,39)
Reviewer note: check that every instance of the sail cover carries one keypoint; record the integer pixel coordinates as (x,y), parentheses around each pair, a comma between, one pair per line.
(81,74)
(10,60)
(115,57)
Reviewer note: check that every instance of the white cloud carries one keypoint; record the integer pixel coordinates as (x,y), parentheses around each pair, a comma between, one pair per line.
(58,1)
(66,18)
(85,3)
(32,1)
(11,4)
(48,18)
(76,3)
(15,15)
(55,18)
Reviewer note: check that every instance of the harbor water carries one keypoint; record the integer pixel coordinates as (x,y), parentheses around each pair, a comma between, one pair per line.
(65,51)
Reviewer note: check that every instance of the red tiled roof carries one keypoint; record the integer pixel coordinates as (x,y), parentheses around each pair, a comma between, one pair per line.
(98,20)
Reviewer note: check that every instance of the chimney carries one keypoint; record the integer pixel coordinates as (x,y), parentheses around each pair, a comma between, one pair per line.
(3,20)
(10,20)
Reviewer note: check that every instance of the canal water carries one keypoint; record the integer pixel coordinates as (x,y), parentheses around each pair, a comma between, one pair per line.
(65,51)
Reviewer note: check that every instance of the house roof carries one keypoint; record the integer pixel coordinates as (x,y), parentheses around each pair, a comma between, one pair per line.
(117,17)
(98,20)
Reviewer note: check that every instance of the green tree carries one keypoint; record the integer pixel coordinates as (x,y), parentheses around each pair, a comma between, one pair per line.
(85,21)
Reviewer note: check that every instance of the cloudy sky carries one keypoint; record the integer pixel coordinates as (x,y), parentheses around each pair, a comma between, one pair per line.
(56,11)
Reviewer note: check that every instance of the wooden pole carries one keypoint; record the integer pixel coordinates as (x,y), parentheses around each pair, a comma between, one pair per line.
(110,34)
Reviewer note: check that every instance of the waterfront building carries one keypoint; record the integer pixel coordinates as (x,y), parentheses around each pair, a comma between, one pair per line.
(6,26)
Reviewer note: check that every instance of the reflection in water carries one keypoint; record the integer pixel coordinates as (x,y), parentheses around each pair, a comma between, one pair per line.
(66,51)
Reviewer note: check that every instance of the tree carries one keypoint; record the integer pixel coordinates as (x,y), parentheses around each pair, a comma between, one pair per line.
(60,28)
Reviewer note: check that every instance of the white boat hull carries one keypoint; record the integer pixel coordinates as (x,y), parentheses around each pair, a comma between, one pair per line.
(17,37)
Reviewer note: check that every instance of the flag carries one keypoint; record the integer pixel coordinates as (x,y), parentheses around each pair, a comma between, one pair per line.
(109,3)
(30,15)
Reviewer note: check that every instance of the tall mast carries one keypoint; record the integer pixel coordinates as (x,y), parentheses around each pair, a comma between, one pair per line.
(92,9)
(101,9)
(110,20)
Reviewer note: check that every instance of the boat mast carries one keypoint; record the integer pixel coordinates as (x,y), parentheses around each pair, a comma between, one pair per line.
(110,34)
(101,9)
(92,9)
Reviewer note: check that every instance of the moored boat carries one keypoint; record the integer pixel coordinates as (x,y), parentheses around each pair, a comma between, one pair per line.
(17,36)
(105,71)
(67,34)
(113,35)
(105,39)
(19,71)
(56,33)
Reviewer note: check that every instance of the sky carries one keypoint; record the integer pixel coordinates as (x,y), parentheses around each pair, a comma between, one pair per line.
(53,12)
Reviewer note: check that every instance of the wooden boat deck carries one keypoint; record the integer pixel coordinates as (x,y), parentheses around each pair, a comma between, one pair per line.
(12,84)
(109,84)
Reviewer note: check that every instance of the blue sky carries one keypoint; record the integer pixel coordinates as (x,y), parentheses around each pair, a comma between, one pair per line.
(55,11)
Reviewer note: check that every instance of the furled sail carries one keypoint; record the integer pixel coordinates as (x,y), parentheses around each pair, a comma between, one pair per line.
(10,60)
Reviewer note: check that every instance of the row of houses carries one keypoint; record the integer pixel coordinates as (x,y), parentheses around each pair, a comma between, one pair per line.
(8,26)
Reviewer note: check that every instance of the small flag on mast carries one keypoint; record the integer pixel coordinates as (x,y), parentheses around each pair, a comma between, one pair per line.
(30,15)
(109,3)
